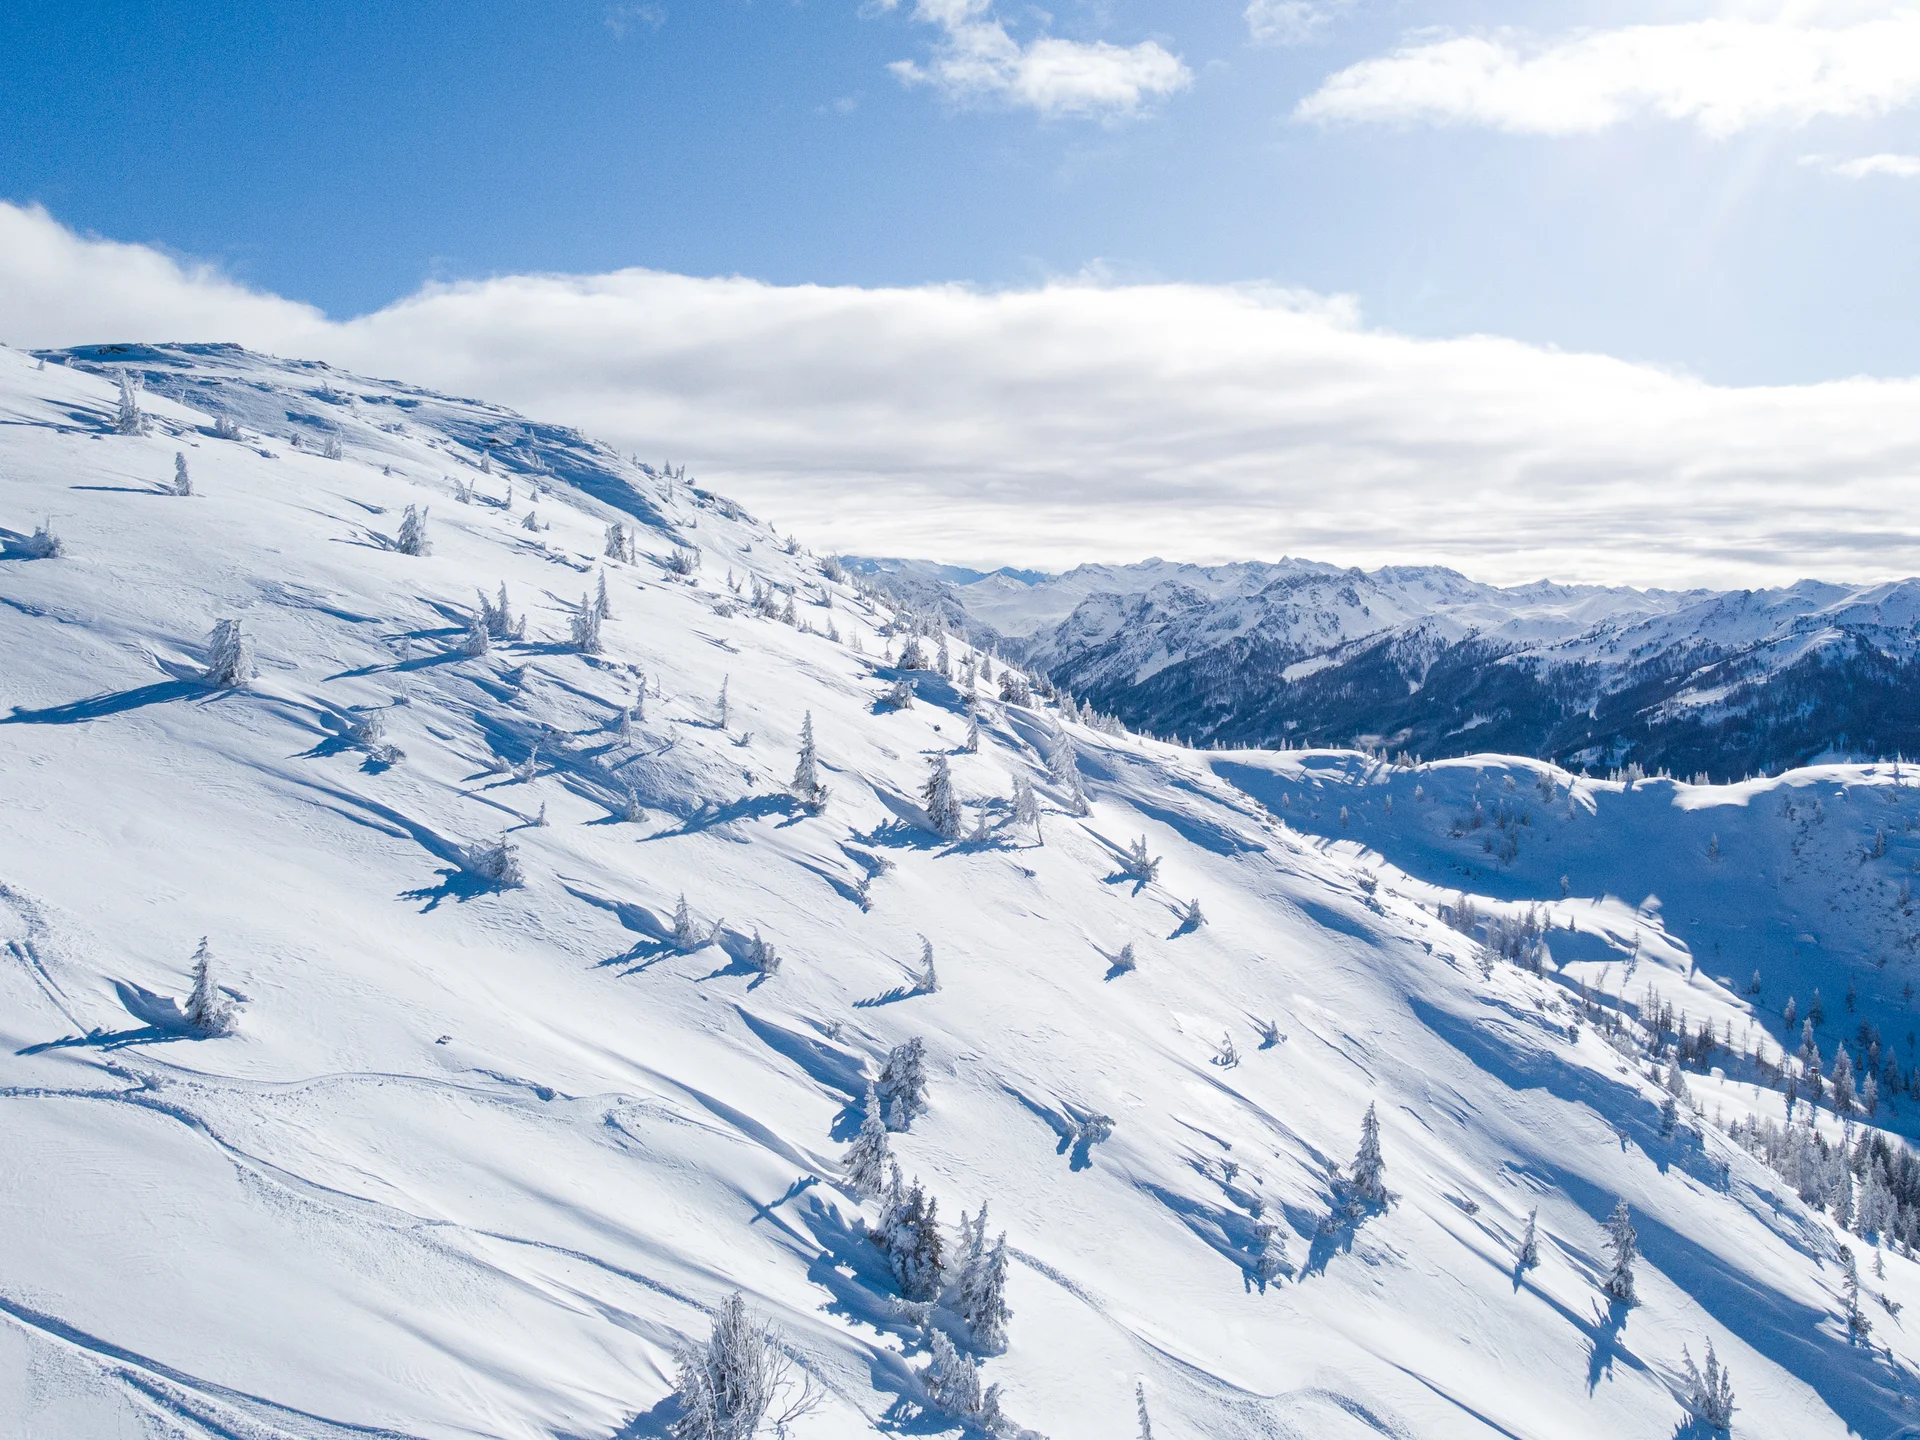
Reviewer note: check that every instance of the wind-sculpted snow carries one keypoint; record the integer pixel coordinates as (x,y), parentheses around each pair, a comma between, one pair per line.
(478,1156)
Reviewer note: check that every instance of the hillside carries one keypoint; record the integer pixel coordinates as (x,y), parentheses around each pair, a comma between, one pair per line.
(477,1158)
(1424,660)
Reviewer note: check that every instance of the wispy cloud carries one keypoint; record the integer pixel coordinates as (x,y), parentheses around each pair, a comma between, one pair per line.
(620,19)
(1291,22)
(1084,420)
(978,59)
(1722,75)
(1900,167)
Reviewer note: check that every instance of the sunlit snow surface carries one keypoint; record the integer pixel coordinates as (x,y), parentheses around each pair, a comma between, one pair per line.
(475,1160)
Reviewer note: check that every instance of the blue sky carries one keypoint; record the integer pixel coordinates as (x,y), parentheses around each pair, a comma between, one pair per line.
(344,153)
(1609,292)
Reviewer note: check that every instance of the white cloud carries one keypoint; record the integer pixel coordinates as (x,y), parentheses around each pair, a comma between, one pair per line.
(1086,421)
(622,18)
(1722,75)
(977,59)
(1291,22)
(1901,167)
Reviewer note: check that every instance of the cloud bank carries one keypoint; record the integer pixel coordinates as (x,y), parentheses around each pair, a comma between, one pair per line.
(977,59)
(1081,421)
(1721,75)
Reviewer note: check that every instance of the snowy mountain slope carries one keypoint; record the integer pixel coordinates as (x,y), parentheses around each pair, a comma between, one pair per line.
(1422,659)
(476,1159)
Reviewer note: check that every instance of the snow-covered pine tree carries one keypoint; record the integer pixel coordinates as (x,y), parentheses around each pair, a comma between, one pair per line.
(477,642)
(761,955)
(1270,1251)
(941,664)
(1026,805)
(687,934)
(602,607)
(972,743)
(498,863)
(1858,1325)
(182,481)
(208,1009)
(1709,1397)
(1369,1169)
(919,1254)
(725,681)
(1140,865)
(902,1086)
(912,656)
(44,544)
(951,1378)
(1192,918)
(1625,1244)
(871,1151)
(739,1381)
(413,533)
(899,696)
(1529,1254)
(586,627)
(806,786)
(633,812)
(619,543)
(1126,962)
(1140,1405)
(929,980)
(229,656)
(983,1288)
(129,420)
(532,522)
(1844,1098)
(330,450)
(943,806)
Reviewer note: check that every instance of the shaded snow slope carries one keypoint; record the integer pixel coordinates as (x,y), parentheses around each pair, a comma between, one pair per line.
(476,1159)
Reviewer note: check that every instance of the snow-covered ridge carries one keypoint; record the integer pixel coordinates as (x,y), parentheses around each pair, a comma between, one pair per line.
(1409,658)
(476,1160)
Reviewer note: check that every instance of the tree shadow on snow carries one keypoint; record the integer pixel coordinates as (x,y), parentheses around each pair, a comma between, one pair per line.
(455,884)
(98,707)
(160,1018)
(1603,1334)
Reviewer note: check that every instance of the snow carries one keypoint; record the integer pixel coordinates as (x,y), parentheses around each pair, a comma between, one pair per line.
(475,1161)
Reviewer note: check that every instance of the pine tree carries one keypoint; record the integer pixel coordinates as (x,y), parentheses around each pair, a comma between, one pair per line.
(602,607)
(477,642)
(229,656)
(498,863)
(182,482)
(687,935)
(951,1378)
(1844,1099)
(208,1010)
(586,627)
(1126,962)
(739,1381)
(413,533)
(1369,1170)
(129,421)
(1026,806)
(44,544)
(1192,918)
(725,681)
(1140,865)
(806,786)
(1624,1243)
(972,743)
(1529,1255)
(1140,1404)
(871,1151)
(929,980)
(983,1288)
(903,1084)
(1710,1396)
(1858,1325)
(943,807)
(761,955)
